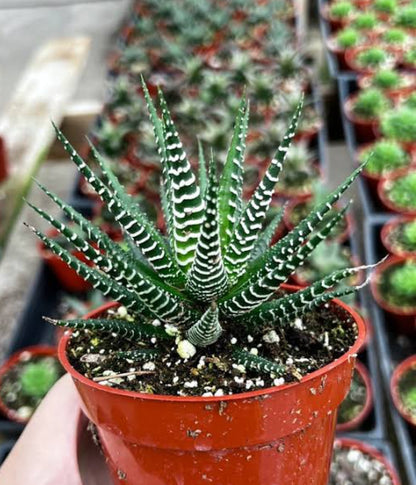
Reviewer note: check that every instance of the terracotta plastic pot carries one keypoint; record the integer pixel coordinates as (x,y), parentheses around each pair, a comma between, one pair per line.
(277,435)
(35,350)
(385,237)
(68,277)
(382,188)
(287,215)
(404,321)
(356,422)
(373,452)
(364,128)
(334,23)
(399,372)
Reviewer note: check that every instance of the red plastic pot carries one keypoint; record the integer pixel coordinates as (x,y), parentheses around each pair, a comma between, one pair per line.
(385,237)
(68,277)
(368,405)
(334,23)
(383,186)
(364,128)
(351,55)
(369,450)
(404,320)
(338,52)
(287,215)
(23,354)
(407,365)
(277,435)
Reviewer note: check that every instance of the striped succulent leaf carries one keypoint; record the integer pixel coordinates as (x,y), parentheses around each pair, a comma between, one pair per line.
(207,278)
(122,328)
(297,303)
(151,248)
(138,354)
(203,176)
(257,363)
(187,204)
(207,330)
(147,297)
(260,289)
(265,238)
(247,229)
(231,183)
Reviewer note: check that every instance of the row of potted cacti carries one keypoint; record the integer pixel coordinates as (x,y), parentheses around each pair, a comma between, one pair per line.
(190,358)
(369,37)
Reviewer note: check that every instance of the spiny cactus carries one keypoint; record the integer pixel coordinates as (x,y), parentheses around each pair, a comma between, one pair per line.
(208,270)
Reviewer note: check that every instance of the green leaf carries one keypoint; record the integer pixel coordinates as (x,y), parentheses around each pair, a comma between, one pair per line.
(121,328)
(207,278)
(260,364)
(260,289)
(207,330)
(263,242)
(186,202)
(203,176)
(251,221)
(231,183)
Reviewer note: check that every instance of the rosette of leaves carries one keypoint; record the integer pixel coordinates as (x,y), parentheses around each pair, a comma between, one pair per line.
(202,275)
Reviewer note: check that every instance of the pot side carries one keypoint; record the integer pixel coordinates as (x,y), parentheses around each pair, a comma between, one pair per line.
(277,435)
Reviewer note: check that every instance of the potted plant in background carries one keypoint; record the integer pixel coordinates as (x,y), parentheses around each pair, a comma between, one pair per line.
(183,369)
(25,379)
(338,13)
(397,191)
(400,125)
(385,8)
(399,236)
(364,110)
(403,389)
(386,157)
(359,463)
(358,404)
(366,59)
(406,17)
(339,42)
(394,289)
(393,82)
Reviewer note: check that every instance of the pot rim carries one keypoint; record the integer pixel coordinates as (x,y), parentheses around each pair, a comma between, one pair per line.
(370,450)
(398,373)
(368,404)
(42,350)
(350,353)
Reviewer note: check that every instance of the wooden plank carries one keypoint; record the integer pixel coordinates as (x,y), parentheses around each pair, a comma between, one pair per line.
(41,96)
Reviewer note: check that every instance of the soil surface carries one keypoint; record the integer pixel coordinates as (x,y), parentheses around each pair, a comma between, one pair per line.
(302,346)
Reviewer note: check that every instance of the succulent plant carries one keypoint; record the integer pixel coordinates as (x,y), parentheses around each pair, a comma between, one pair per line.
(409,234)
(372,57)
(385,6)
(407,390)
(386,156)
(410,56)
(399,124)
(365,21)
(386,79)
(341,9)
(370,103)
(395,36)
(200,278)
(402,191)
(38,377)
(406,16)
(348,37)
(401,283)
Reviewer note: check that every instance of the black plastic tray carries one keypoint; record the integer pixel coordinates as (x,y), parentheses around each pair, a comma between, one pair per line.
(393,350)
(5,449)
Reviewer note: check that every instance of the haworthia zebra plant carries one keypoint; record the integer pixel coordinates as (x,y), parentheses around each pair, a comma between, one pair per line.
(215,264)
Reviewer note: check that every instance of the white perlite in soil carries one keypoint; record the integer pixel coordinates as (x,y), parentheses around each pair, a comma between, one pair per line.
(353,467)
